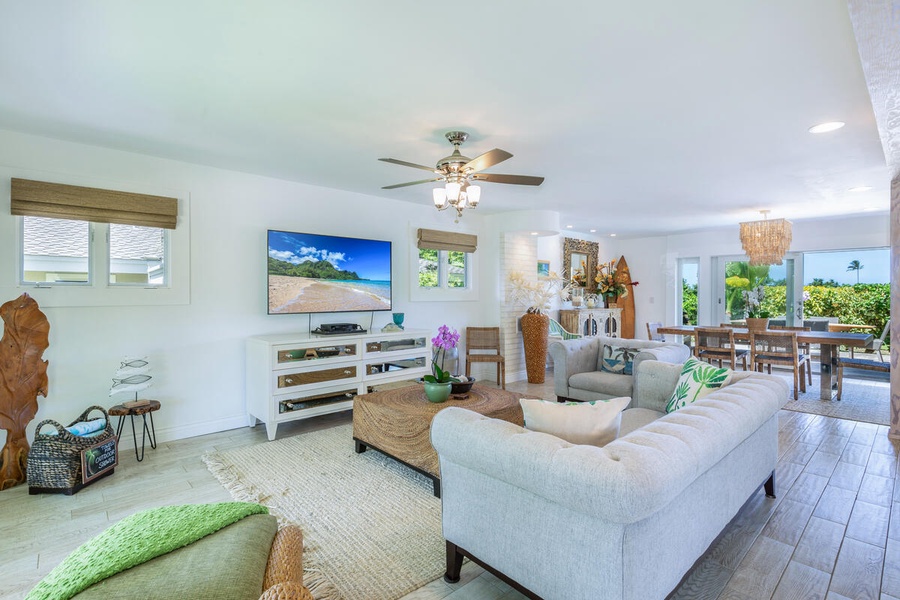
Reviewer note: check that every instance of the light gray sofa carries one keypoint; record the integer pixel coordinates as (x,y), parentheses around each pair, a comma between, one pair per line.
(626,521)
(577,375)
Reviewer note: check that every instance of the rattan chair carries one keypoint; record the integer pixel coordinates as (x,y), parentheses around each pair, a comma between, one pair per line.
(769,348)
(485,339)
(803,347)
(653,333)
(717,344)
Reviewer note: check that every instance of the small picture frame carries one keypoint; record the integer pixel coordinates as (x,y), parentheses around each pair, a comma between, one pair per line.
(543,268)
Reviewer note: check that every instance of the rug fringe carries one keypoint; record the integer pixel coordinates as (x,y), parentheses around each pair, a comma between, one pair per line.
(314,578)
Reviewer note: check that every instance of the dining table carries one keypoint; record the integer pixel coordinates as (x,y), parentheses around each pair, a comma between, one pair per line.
(829,343)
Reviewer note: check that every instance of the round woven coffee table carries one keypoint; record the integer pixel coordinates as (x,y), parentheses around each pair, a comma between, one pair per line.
(122,411)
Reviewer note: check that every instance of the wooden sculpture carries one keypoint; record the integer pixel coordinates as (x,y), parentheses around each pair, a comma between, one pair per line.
(23,375)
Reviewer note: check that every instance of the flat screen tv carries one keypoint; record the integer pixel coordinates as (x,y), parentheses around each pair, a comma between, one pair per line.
(313,273)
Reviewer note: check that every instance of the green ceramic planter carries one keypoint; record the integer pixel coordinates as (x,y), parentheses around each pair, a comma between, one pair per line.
(437,392)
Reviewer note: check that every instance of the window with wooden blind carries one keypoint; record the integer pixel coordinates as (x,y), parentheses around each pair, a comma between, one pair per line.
(93,239)
(444,265)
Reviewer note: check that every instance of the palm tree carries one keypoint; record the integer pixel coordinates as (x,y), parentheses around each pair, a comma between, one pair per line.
(855,266)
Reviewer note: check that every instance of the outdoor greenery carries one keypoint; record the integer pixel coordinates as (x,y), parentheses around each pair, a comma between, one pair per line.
(317,270)
(688,303)
(428,268)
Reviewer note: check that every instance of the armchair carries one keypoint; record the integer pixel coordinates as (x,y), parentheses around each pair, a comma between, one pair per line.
(577,373)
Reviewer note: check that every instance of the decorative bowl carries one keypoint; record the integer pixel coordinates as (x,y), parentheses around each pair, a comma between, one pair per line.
(462,387)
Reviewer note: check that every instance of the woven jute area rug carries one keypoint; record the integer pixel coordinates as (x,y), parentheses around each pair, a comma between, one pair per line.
(371,526)
(865,398)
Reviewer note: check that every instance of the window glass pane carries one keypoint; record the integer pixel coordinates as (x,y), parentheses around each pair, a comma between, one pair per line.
(428,268)
(55,251)
(136,255)
(456,275)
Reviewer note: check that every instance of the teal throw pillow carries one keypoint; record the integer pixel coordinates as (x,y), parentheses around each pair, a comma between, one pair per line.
(618,359)
(698,379)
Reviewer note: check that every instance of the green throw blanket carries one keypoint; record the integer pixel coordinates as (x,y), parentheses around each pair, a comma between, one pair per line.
(135,540)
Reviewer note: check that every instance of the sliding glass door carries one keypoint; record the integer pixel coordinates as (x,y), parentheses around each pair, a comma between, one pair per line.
(736,278)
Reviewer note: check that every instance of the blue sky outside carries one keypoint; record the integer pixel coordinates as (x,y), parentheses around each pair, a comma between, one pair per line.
(370,259)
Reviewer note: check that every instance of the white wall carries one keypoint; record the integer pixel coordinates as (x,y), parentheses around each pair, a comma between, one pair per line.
(653,260)
(197,349)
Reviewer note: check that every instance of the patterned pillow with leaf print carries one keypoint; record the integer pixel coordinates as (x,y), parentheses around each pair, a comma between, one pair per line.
(617,359)
(698,379)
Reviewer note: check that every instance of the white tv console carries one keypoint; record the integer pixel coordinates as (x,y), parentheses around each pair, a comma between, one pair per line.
(297,376)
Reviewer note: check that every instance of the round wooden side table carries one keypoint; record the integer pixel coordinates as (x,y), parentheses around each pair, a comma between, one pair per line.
(122,411)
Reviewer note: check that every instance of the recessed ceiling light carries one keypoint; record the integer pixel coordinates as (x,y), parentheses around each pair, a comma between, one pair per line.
(534,233)
(612,235)
(826,127)
(568,227)
(860,188)
(869,209)
(593,231)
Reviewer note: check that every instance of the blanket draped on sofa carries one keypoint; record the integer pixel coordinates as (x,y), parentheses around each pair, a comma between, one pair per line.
(135,540)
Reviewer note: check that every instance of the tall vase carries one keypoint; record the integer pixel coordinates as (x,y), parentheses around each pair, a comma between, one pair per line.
(447,360)
(535,331)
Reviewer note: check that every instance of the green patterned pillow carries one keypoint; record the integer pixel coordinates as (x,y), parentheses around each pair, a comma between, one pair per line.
(698,379)
(594,423)
(617,359)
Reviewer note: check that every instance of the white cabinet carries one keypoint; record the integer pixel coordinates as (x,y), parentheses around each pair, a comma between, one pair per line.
(592,321)
(292,377)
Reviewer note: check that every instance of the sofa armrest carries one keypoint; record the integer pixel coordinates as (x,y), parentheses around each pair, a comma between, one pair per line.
(669,353)
(655,381)
(570,357)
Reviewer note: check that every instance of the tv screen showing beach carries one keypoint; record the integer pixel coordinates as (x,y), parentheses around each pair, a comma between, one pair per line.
(311,273)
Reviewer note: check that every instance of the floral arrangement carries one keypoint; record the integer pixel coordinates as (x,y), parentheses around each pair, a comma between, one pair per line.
(753,300)
(608,283)
(536,295)
(579,278)
(443,341)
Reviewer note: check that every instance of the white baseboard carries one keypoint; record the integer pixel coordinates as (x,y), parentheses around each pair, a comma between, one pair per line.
(170,434)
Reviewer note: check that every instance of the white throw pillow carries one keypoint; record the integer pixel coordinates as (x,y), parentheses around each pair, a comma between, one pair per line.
(593,423)
(698,379)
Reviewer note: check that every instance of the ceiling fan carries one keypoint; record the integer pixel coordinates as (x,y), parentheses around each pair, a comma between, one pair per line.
(458,173)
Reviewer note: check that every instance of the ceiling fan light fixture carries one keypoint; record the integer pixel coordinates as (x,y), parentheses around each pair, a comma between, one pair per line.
(473,195)
(452,189)
(440,198)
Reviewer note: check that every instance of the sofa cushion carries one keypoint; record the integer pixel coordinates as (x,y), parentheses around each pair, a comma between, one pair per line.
(617,359)
(635,418)
(593,423)
(601,382)
(229,563)
(698,379)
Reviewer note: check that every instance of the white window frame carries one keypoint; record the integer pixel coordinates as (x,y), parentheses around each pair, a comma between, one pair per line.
(441,293)
(99,292)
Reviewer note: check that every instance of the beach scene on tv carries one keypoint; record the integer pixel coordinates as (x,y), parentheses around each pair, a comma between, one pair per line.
(322,273)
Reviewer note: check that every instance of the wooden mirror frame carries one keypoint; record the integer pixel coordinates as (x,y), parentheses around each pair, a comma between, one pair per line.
(590,249)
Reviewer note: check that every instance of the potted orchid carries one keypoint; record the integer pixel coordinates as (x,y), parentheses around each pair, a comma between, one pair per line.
(757,318)
(439,383)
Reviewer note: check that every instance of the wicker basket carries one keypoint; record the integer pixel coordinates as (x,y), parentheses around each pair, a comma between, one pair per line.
(54,461)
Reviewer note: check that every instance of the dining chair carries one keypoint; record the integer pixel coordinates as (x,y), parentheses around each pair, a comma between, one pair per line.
(803,347)
(717,344)
(879,342)
(483,346)
(653,333)
(769,348)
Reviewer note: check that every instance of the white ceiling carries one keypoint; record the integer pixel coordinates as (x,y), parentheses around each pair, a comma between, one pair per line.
(644,117)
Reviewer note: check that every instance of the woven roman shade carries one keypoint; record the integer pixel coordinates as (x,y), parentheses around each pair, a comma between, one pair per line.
(60,201)
(433,239)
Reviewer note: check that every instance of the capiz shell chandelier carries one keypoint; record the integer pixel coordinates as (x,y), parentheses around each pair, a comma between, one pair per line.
(766,242)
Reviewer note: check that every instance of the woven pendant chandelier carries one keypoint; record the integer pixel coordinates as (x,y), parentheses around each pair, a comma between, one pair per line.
(766,242)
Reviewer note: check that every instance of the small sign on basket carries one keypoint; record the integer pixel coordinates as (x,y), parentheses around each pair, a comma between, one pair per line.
(97,460)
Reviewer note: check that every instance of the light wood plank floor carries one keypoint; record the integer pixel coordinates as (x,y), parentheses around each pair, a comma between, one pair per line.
(833,532)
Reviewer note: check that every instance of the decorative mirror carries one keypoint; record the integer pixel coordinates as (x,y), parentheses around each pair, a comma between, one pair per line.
(580,260)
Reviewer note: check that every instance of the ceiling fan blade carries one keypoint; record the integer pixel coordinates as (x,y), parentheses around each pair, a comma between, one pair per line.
(407,164)
(516,179)
(400,185)
(488,159)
